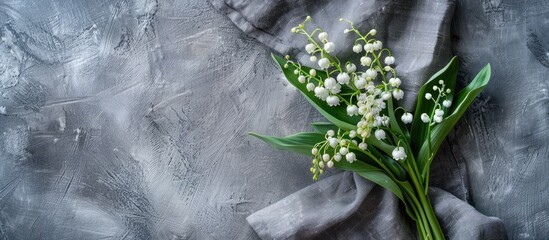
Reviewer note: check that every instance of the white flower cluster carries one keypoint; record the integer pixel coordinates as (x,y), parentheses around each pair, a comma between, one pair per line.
(437,115)
(334,148)
(368,88)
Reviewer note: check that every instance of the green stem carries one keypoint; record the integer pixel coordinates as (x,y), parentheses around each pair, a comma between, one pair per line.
(426,207)
(421,219)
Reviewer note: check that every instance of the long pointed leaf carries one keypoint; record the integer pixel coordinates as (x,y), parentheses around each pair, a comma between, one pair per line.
(323,127)
(300,142)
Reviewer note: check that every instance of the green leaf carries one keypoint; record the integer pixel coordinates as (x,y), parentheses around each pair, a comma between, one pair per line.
(300,142)
(323,127)
(419,129)
(379,177)
(462,101)
(337,115)
(371,173)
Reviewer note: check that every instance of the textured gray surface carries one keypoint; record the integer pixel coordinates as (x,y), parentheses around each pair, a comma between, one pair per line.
(127,119)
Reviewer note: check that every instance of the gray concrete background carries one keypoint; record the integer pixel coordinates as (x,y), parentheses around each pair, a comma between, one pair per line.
(127,119)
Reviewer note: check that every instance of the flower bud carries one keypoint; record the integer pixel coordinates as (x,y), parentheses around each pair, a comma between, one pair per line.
(425,118)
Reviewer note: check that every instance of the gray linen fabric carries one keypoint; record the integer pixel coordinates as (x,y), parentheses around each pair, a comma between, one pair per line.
(418,33)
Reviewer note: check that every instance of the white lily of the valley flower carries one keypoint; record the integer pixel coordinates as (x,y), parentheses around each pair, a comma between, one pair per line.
(310,48)
(368,47)
(324,63)
(425,118)
(365,61)
(363,145)
(337,157)
(439,112)
(428,96)
(437,118)
(323,36)
(329,47)
(378,45)
(343,78)
(326,157)
(343,150)
(333,142)
(301,79)
(321,92)
(352,110)
(352,134)
(351,157)
(351,68)
(312,72)
(389,60)
(380,134)
(386,96)
(360,82)
(399,153)
(357,48)
(330,164)
(313,58)
(447,103)
(310,87)
(395,82)
(407,118)
(332,100)
(370,74)
(398,94)
(330,83)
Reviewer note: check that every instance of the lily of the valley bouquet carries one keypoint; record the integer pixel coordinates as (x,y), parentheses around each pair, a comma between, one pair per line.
(367,132)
